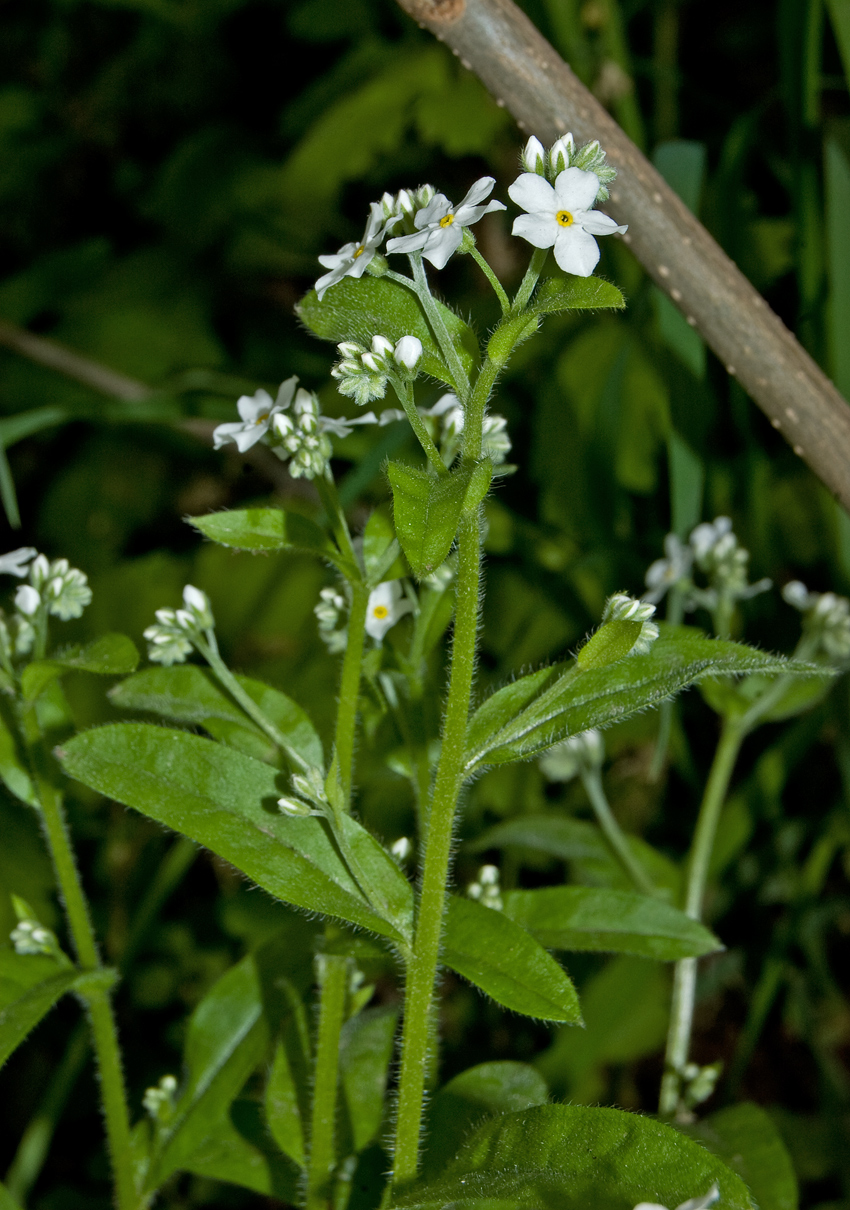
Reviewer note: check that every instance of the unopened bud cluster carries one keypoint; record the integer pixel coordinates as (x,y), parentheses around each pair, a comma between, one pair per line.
(172,636)
(158,1101)
(714,550)
(310,787)
(362,374)
(403,207)
(564,154)
(298,435)
(487,889)
(622,608)
(330,612)
(446,418)
(826,618)
(30,937)
(580,753)
(53,588)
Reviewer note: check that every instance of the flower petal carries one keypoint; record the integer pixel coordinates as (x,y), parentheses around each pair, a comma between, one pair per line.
(576,251)
(482,188)
(438,207)
(408,243)
(443,242)
(541,230)
(576,189)
(285,392)
(533,193)
(598,223)
(250,407)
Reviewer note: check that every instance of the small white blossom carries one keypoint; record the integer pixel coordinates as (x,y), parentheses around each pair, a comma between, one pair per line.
(330,613)
(402,849)
(486,889)
(15,562)
(159,1100)
(27,600)
(198,605)
(718,553)
(387,605)
(258,412)
(826,618)
(693,1203)
(30,937)
(406,205)
(495,442)
(408,353)
(441,225)
(561,217)
(295,808)
(353,259)
(301,439)
(170,637)
(67,591)
(362,373)
(568,758)
(622,608)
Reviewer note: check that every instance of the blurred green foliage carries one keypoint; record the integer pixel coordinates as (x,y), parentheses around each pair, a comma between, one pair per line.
(169,171)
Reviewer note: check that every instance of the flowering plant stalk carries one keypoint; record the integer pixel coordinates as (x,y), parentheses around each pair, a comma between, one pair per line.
(259,789)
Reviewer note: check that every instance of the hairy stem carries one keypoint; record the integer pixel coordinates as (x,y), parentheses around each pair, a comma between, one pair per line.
(438,327)
(526,286)
(684,980)
(504,301)
(617,842)
(349,686)
(321,1164)
(104,1034)
(405,396)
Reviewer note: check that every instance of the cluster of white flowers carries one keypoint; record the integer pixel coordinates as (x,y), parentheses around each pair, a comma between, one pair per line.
(713,549)
(440,225)
(330,613)
(693,1203)
(448,414)
(585,751)
(30,937)
(292,425)
(486,888)
(54,588)
(564,154)
(362,374)
(171,637)
(826,618)
(158,1101)
(622,608)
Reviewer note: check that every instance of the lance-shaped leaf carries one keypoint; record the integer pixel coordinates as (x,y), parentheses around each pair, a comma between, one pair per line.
(536,711)
(568,1157)
(189,694)
(30,984)
(227,802)
(575,294)
(506,963)
(603,920)
(264,530)
(358,309)
(13,771)
(111,655)
(427,509)
(745,1138)
(365,1050)
(381,550)
(238,1150)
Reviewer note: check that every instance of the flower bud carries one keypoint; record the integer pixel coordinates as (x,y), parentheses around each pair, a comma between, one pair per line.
(561,154)
(27,600)
(408,352)
(382,347)
(533,157)
(294,807)
(198,605)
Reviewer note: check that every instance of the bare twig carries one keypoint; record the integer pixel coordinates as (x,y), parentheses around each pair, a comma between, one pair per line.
(497,41)
(100,378)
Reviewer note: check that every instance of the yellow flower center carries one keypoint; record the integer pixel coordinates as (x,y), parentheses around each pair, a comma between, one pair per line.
(380,611)
(564,218)
(262,418)
(447,221)
(359,252)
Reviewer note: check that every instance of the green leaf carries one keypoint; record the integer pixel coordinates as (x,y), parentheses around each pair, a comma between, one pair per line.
(30,984)
(189,694)
(283,1106)
(602,920)
(111,655)
(235,1150)
(575,294)
(566,1157)
(357,309)
(378,875)
(477,1093)
(227,802)
(7,1202)
(745,1138)
(536,711)
(227,1038)
(609,643)
(510,333)
(428,509)
(262,530)
(506,963)
(365,1050)
(13,771)
(381,549)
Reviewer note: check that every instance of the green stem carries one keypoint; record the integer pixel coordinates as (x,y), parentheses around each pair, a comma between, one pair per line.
(684,980)
(320,1167)
(422,970)
(102,1021)
(231,684)
(617,842)
(405,396)
(675,614)
(438,327)
(330,500)
(349,686)
(526,286)
(504,301)
(35,1141)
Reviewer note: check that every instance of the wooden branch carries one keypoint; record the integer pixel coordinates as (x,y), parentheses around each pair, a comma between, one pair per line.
(497,41)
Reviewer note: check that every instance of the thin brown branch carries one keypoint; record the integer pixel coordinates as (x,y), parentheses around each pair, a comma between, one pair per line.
(497,41)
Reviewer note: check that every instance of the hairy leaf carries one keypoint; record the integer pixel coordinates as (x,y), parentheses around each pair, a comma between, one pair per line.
(30,984)
(506,963)
(428,508)
(263,530)
(575,294)
(111,655)
(365,1049)
(745,1138)
(599,919)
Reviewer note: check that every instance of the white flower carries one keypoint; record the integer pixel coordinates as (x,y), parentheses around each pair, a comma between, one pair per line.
(14,563)
(27,600)
(706,537)
(441,226)
(387,604)
(668,572)
(352,259)
(693,1203)
(408,352)
(562,217)
(158,1101)
(827,617)
(258,412)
